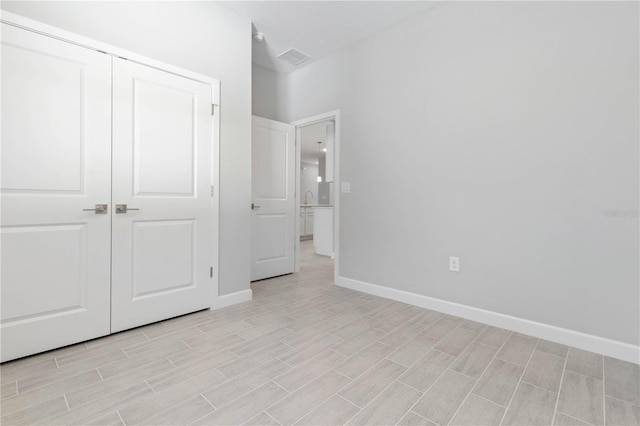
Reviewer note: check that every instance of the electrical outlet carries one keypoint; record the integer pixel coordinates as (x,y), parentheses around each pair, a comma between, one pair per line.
(454,264)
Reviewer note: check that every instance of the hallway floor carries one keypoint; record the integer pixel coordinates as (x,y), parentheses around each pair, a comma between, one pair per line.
(304,351)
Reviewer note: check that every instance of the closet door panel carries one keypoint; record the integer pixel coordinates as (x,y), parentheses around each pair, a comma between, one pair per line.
(56,148)
(162,153)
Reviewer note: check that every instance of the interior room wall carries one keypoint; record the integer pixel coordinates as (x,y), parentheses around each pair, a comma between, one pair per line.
(323,187)
(268,93)
(200,37)
(505,133)
(309,182)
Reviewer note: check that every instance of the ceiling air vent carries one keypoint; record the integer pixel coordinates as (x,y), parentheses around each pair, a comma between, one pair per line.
(293,57)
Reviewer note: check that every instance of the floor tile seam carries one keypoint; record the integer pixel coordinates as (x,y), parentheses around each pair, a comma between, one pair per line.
(240,356)
(584,375)
(450,369)
(549,353)
(207,399)
(488,346)
(170,362)
(414,413)
(462,374)
(413,336)
(456,356)
(495,355)
(362,374)
(540,387)
(18,393)
(461,352)
(431,348)
(520,381)
(336,393)
(300,387)
(621,400)
(284,362)
(487,399)
(270,416)
(315,339)
(424,393)
(573,417)
(240,396)
(370,402)
(120,417)
(90,357)
(462,403)
(224,375)
(152,389)
(278,401)
(44,421)
(351,356)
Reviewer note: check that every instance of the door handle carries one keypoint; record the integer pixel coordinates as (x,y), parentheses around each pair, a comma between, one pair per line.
(254,207)
(122,208)
(98,209)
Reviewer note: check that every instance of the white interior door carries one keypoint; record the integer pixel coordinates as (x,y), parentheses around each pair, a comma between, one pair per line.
(162,168)
(273,199)
(56,148)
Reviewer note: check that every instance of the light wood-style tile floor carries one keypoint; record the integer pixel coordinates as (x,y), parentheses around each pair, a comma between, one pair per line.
(307,352)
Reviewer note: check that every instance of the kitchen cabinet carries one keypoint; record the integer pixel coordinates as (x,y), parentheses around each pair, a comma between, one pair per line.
(306,222)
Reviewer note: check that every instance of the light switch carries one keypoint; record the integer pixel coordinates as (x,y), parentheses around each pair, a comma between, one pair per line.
(345,187)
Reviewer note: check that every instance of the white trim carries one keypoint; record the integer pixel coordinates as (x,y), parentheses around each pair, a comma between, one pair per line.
(335,116)
(215,184)
(232,299)
(612,348)
(296,248)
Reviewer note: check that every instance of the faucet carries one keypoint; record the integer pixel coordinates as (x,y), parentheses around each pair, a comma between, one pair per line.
(305,196)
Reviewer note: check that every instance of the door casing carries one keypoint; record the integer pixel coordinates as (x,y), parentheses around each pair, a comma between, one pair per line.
(334,116)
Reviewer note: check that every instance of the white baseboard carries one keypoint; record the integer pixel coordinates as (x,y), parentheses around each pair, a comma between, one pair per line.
(588,342)
(232,299)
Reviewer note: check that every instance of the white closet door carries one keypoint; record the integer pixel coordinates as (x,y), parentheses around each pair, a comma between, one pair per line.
(162,168)
(56,143)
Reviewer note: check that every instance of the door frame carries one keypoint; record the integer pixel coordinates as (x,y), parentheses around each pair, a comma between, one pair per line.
(334,116)
(79,40)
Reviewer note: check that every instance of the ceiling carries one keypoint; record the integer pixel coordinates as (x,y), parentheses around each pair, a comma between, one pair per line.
(318,28)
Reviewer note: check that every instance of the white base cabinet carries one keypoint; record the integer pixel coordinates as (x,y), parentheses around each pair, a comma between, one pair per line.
(306,221)
(323,230)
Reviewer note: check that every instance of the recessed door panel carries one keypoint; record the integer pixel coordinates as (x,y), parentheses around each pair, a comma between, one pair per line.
(162,245)
(39,84)
(271,166)
(273,232)
(273,198)
(170,243)
(164,128)
(56,162)
(59,252)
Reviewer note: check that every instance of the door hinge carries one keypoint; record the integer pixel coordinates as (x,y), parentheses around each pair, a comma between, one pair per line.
(212,190)
(211,272)
(213,109)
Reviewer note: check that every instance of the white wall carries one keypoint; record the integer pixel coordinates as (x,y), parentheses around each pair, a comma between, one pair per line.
(309,182)
(500,132)
(267,93)
(201,37)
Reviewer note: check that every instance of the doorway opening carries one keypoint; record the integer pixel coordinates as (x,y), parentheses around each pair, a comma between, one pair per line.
(316,198)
